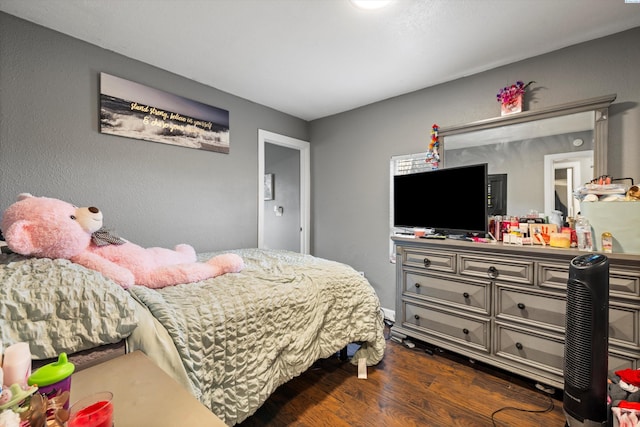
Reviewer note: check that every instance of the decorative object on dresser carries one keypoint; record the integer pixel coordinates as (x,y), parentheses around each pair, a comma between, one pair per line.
(433,158)
(511,98)
(505,305)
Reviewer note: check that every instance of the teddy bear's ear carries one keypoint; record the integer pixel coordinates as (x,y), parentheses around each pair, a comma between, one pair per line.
(23,196)
(18,238)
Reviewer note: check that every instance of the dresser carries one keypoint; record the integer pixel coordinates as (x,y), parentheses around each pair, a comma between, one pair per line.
(504,305)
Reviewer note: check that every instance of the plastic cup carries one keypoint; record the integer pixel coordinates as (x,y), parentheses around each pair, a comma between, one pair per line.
(54,379)
(95,410)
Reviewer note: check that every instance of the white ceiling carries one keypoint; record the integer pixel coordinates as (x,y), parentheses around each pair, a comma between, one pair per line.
(315,58)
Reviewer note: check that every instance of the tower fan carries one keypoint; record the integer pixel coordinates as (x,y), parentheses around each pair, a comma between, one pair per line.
(586,342)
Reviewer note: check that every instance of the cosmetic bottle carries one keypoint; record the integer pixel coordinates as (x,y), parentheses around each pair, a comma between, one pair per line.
(607,242)
(583,232)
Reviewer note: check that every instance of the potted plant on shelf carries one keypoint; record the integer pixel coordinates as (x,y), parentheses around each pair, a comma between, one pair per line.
(511,97)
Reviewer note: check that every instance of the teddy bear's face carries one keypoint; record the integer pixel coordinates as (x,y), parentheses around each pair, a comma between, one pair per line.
(49,228)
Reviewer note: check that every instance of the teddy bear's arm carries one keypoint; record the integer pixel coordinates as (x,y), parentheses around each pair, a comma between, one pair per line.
(111,270)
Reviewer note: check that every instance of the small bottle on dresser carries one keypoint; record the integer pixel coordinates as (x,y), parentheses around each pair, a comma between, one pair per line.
(607,242)
(583,232)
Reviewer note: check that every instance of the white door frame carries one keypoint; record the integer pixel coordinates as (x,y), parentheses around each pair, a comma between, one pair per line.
(304,147)
(550,162)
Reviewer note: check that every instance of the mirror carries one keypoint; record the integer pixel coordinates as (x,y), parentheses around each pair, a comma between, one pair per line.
(536,158)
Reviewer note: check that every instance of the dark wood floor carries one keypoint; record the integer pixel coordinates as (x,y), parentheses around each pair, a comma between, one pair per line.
(409,387)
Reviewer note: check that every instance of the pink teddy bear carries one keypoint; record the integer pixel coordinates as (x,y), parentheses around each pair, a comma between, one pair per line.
(51,228)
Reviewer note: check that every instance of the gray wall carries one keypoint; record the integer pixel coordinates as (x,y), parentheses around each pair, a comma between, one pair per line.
(153,194)
(156,194)
(350,152)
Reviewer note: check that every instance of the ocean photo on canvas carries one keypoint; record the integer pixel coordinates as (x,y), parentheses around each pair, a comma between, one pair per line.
(133,110)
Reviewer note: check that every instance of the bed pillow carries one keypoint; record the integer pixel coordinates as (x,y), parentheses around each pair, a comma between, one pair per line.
(58,306)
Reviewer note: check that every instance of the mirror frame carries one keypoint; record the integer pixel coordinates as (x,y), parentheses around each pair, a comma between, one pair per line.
(599,105)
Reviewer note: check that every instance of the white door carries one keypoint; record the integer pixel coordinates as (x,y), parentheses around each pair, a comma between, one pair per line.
(274,212)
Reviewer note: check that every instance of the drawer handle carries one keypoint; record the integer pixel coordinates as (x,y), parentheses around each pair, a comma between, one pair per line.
(519,346)
(415,316)
(492,272)
(465,331)
(521,306)
(417,285)
(427,262)
(466,295)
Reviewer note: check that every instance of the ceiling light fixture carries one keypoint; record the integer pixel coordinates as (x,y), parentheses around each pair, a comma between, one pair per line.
(370,4)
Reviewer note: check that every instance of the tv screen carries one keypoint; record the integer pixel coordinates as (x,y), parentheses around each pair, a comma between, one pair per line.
(450,200)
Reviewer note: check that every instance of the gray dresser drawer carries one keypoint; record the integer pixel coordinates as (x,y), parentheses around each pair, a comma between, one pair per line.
(554,276)
(544,309)
(508,270)
(623,321)
(430,260)
(624,283)
(619,360)
(463,330)
(467,294)
(621,283)
(541,351)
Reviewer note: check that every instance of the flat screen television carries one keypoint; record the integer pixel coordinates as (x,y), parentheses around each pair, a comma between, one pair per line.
(453,201)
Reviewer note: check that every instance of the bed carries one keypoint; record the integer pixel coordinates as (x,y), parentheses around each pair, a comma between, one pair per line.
(230,340)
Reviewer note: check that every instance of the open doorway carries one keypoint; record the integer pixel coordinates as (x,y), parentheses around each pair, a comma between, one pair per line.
(273,211)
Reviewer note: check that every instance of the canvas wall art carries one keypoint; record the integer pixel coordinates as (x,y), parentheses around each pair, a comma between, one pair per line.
(133,110)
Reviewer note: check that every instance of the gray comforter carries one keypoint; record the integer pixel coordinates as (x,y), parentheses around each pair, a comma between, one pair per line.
(231,340)
(242,335)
